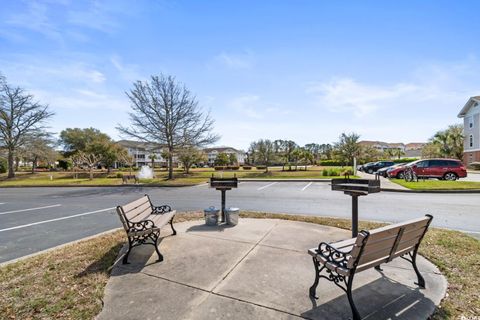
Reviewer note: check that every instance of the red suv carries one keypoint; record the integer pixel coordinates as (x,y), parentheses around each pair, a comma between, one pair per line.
(444,169)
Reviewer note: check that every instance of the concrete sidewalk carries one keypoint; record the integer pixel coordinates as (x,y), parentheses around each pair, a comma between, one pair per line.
(384,182)
(259,269)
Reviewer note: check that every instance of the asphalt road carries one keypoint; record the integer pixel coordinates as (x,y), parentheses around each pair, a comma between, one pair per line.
(34,219)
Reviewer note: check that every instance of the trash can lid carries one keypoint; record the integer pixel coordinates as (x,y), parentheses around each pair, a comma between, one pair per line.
(233,209)
(211,209)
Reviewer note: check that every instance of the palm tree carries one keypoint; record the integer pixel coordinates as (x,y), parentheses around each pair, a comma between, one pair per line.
(153,157)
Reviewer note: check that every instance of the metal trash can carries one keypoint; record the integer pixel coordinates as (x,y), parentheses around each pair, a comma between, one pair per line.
(211,216)
(232,216)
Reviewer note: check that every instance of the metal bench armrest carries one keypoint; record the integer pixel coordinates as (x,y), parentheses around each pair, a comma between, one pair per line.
(141,225)
(161,209)
(333,255)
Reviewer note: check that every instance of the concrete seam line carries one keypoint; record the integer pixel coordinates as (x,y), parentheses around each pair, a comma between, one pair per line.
(244,257)
(223,239)
(215,293)
(260,305)
(59,247)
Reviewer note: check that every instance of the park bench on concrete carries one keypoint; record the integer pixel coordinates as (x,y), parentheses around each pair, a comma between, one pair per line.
(342,260)
(142,222)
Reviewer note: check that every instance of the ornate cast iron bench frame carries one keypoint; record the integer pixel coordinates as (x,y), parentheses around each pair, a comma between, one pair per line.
(342,260)
(142,222)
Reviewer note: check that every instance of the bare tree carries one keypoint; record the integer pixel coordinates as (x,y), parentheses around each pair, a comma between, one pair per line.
(37,148)
(165,112)
(91,159)
(20,117)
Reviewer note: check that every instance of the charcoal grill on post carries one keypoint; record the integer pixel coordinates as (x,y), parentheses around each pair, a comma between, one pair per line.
(223,184)
(356,188)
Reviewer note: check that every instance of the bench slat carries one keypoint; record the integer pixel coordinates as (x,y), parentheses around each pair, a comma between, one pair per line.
(388,231)
(374,249)
(162,219)
(140,213)
(134,204)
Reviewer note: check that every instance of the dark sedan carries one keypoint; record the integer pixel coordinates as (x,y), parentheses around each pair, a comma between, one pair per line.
(374,167)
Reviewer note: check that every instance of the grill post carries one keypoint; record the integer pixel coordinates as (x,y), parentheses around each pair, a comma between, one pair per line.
(224,191)
(355,188)
(223,184)
(354,215)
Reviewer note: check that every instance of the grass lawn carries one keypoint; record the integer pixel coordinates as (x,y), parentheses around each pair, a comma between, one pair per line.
(196,176)
(68,283)
(438,184)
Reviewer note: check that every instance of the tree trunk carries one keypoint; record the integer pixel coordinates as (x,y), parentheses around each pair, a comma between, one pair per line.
(17,163)
(109,169)
(34,164)
(91,173)
(11,171)
(170,166)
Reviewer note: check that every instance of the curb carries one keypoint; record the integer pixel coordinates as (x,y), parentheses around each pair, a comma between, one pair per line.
(284,180)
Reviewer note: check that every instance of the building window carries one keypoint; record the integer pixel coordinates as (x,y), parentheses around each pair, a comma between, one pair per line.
(470,122)
(471,141)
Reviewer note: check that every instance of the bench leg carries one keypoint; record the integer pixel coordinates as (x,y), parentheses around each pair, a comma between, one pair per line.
(155,244)
(355,313)
(171,225)
(125,257)
(420,282)
(313,288)
(378,268)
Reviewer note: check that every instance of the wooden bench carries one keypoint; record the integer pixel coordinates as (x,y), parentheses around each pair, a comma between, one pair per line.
(342,260)
(127,177)
(142,222)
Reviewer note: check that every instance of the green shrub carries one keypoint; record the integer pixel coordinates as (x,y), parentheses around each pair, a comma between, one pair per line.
(347,171)
(261,167)
(474,165)
(233,167)
(119,175)
(331,163)
(219,168)
(3,165)
(247,168)
(325,172)
(334,172)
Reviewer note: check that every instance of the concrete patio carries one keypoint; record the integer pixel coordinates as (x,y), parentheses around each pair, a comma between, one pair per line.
(259,269)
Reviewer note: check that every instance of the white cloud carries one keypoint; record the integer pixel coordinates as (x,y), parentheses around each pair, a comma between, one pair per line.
(348,95)
(81,99)
(432,87)
(243,60)
(128,72)
(35,18)
(247,105)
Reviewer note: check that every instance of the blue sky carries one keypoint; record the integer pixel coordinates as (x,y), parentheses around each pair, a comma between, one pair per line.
(395,71)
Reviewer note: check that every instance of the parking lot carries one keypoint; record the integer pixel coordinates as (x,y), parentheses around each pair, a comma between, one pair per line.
(34,219)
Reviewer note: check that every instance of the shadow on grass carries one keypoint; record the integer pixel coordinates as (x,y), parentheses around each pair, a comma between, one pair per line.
(103,264)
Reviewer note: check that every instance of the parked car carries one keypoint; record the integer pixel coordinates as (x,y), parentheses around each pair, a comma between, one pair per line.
(397,171)
(383,172)
(373,167)
(442,169)
(362,166)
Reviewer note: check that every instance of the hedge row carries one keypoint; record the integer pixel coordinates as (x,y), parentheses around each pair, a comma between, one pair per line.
(218,168)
